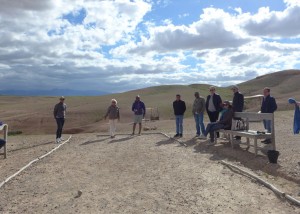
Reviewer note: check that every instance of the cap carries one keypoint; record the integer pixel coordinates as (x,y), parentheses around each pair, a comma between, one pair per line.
(235,87)
(62,98)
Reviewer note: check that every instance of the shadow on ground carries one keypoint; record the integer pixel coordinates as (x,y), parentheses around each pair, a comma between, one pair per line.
(240,153)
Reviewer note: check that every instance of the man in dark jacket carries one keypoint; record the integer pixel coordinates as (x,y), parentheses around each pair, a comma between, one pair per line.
(59,115)
(179,109)
(213,104)
(237,103)
(224,122)
(268,105)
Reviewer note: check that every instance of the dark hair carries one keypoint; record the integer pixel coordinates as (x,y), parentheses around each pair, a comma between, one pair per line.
(268,89)
(177,95)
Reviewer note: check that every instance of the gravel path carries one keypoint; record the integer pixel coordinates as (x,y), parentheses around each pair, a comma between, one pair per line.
(141,174)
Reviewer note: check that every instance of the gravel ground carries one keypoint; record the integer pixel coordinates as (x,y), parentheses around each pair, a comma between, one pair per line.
(142,174)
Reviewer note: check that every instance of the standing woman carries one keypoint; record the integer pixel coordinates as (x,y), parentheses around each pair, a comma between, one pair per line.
(113,113)
(59,115)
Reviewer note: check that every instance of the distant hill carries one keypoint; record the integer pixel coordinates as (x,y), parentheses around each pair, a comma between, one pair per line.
(53,92)
(31,114)
(283,84)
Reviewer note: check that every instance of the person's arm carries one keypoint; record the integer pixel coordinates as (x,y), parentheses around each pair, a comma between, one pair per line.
(118,116)
(242,102)
(107,112)
(55,111)
(144,109)
(132,108)
(274,104)
(184,107)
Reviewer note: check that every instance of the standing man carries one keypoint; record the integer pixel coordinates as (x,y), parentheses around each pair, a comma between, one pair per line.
(59,115)
(268,105)
(179,109)
(213,105)
(237,103)
(198,112)
(139,109)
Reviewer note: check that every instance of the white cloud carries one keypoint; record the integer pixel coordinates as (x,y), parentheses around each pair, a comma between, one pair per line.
(275,23)
(116,48)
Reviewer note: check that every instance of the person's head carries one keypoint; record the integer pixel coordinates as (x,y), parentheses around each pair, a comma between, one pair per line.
(226,104)
(178,97)
(197,94)
(212,89)
(62,99)
(137,98)
(266,91)
(114,102)
(235,88)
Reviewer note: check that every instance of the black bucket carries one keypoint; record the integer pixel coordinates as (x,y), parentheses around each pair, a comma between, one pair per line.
(273,156)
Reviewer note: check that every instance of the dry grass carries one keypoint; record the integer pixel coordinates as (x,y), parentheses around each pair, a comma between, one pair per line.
(33,115)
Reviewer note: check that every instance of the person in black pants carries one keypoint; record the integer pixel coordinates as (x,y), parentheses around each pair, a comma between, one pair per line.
(59,115)
(237,103)
(213,105)
(179,109)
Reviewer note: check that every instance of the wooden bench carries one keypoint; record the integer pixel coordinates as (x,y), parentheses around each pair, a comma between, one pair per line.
(251,134)
(4,128)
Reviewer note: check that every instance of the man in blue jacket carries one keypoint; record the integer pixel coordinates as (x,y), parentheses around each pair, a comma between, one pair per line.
(139,109)
(268,105)
(179,109)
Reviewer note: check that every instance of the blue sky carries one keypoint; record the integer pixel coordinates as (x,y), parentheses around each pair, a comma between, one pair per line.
(119,45)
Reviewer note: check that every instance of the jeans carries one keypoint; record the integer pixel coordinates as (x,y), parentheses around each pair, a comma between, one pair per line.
(179,121)
(267,125)
(199,123)
(211,128)
(60,124)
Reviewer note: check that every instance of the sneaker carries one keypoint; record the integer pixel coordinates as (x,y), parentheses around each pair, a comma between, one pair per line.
(202,136)
(61,139)
(180,135)
(267,141)
(177,135)
(57,140)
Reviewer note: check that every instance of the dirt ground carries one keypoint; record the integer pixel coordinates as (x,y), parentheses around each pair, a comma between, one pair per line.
(147,174)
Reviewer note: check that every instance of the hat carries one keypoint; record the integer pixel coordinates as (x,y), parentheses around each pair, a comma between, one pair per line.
(235,87)
(292,101)
(62,98)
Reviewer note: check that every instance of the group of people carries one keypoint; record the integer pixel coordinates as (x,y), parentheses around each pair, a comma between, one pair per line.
(220,113)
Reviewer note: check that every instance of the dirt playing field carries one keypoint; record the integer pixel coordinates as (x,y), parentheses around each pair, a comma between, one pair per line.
(145,174)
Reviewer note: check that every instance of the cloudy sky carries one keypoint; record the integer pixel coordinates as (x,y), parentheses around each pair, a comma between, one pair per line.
(118,45)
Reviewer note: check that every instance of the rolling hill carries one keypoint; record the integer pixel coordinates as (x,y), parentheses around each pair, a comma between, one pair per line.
(33,115)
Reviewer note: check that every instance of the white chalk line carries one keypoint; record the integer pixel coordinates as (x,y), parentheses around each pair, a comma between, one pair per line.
(33,161)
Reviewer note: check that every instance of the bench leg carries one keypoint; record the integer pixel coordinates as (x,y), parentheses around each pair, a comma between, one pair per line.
(215,138)
(255,146)
(248,143)
(4,151)
(231,140)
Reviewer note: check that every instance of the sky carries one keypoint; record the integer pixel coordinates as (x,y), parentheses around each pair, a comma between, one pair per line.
(120,45)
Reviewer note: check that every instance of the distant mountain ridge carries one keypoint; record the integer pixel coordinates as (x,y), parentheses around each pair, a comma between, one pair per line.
(53,92)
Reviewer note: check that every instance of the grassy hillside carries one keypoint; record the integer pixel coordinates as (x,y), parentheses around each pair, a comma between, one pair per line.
(34,114)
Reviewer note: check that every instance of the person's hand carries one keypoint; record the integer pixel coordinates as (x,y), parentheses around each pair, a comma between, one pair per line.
(259,112)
